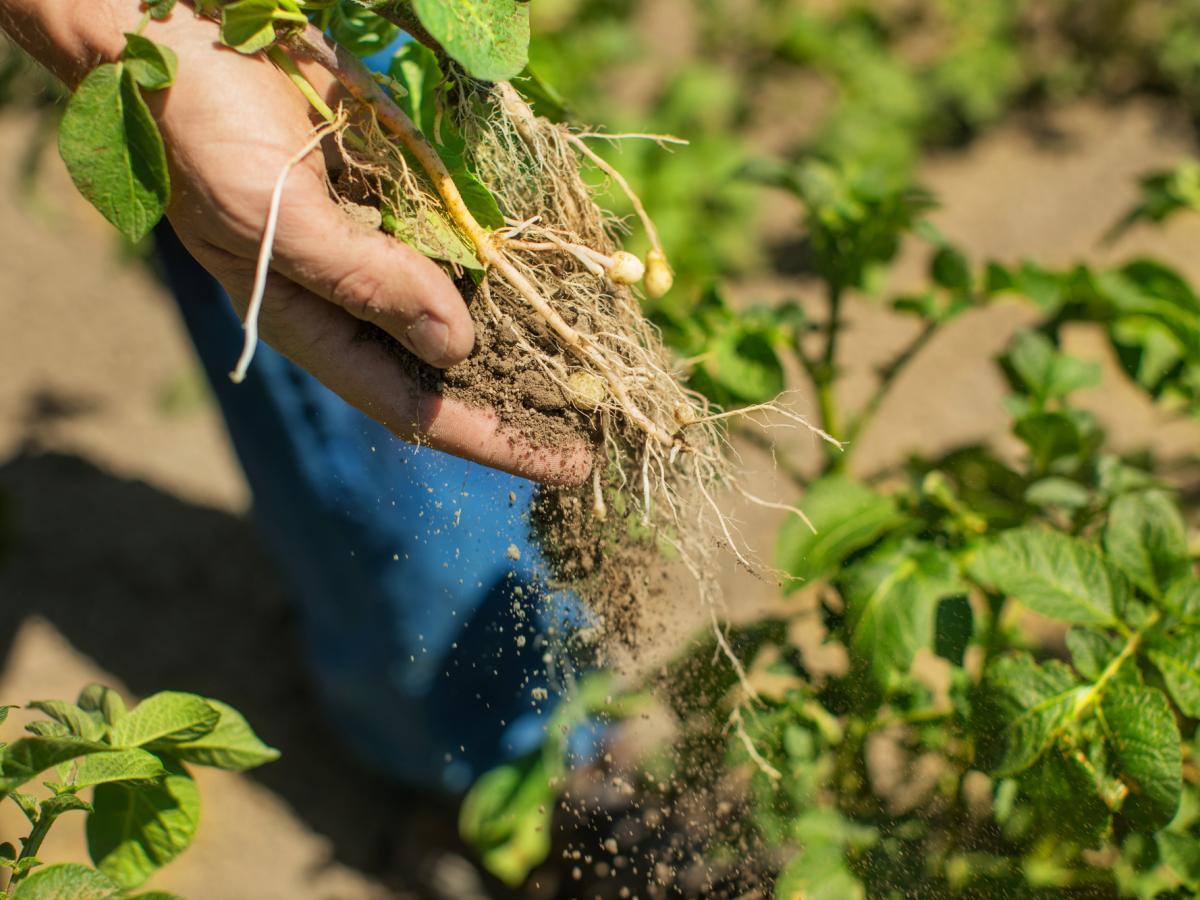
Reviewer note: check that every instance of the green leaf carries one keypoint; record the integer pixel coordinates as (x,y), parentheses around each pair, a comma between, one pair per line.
(1035,703)
(53,807)
(1060,492)
(950,269)
(542,96)
(1041,286)
(48,729)
(488,38)
(1065,793)
(818,872)
(953,628)
(478,198)
(847,516)
(745,363)
(1177,657)
(1144,739)
(1183,601)
(1146,537)
(117,765)
(136,830)
(891,599)
(231,745)
(28,804)
(431,234)
(166,716)
(1092,651)
(160,9)
(79,722)
(1182,853)
(29,756)
(506,818)
(1054,574)
(4,712)
(67,881)
(152,65)
(114,151)
(1046,372)
(415,69)
(96,698)
(1051,436)
(248,26)
(25,865)
(360,31)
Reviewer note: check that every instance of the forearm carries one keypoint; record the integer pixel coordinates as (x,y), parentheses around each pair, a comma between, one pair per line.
(71,37)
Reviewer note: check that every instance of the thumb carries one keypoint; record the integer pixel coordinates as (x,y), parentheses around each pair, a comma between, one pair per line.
(375,278)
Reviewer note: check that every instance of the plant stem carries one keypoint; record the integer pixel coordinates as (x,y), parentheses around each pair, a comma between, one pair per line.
(289,68)
(31,845)
(404,17)
(993,641)
(887,377)
(1111,670)
(142,24)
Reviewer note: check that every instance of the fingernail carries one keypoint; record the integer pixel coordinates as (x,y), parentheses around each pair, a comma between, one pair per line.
(429,339)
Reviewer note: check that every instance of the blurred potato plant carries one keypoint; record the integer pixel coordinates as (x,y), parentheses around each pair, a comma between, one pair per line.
(1052,763)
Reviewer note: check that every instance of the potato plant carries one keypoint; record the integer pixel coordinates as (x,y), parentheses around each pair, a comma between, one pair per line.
(1061,764)
(144,806)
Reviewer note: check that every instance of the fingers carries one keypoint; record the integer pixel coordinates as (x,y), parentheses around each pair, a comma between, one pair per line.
(370,275)
(328,343)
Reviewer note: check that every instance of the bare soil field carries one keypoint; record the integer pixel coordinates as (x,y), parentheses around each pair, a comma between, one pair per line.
(132,560)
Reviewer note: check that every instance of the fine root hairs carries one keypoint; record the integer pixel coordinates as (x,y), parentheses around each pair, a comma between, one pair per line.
(263,268)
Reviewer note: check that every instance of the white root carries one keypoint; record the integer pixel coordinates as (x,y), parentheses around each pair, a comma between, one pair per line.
(638,207)
(735,720)
(783,507)
(632,136)
(599,507)
(263,268)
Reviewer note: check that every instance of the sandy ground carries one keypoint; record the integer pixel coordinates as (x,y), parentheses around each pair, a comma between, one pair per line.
(132,561)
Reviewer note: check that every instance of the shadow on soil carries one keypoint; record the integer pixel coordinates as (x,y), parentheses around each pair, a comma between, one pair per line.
(167,594)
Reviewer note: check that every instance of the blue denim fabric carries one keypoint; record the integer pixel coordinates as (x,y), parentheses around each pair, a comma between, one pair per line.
(397,558)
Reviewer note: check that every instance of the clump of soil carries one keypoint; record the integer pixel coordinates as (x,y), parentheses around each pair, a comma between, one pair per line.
(499,375)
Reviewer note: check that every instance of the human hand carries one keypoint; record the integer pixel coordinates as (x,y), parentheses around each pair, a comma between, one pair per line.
(231,123)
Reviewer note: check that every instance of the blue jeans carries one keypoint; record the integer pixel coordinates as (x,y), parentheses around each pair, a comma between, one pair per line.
(397,558)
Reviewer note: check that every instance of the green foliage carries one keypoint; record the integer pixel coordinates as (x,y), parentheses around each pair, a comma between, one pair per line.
(1084,739)
(506,816)
(488,38)
(845,516)
(113,149)
(853,218)
(144,806)
(1163,194)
